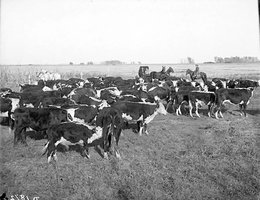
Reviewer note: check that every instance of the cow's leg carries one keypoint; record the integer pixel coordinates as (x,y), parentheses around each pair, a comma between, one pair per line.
(117,136)
(221,115)
(217,111)
(209,110)
(16,135)
(178,111)
(55,156)
(240,109)
(10,122)
(83,151)
(140,127)
(86,151)
(244,109)
(196,109)
(51,151)
(145,129)
(23,136)
(190,108)
(106,141)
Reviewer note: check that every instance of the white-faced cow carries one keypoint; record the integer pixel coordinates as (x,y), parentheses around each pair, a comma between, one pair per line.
(142,113)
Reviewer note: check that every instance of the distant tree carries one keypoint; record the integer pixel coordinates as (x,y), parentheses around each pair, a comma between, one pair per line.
(113,62)
(90,63)
(218,59)
(190,60)
(82,63)
(71,63)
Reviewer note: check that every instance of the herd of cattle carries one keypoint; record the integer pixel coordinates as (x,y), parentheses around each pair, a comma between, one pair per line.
(94,111)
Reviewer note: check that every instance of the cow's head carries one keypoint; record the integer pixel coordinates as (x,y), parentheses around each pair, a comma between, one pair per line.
(103,104)
(160,108)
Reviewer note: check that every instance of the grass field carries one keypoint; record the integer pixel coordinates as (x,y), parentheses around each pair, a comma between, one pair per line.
(181,158)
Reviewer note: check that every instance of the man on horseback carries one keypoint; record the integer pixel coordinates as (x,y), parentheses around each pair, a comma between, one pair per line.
(197,69)
(163,70)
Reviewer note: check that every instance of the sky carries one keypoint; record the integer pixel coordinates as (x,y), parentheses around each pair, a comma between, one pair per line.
(149,31)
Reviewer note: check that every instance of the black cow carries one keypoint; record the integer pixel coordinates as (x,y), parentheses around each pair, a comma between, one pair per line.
(236,96)
(246,83)
(38,119)
(142,113)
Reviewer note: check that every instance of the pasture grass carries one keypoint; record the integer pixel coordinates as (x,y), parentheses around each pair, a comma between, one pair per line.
(181,158)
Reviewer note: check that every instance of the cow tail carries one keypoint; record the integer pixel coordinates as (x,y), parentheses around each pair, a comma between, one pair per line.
(112,126)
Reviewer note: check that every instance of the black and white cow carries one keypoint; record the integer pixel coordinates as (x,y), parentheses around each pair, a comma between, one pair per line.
(235,96)
(38,119)
(7,107)
(70,134)
(197,98)
(180,95)
(142,113)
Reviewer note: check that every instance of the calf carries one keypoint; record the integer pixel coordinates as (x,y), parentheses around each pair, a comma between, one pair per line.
(68,134)
(38,119)
(112,123)
(199,97)
(142,113)
(236,96)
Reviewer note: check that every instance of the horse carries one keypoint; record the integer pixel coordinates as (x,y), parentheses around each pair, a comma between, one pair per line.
(162,74)
(196,75)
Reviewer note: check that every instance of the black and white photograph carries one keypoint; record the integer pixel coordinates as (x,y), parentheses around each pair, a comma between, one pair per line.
(129,99)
